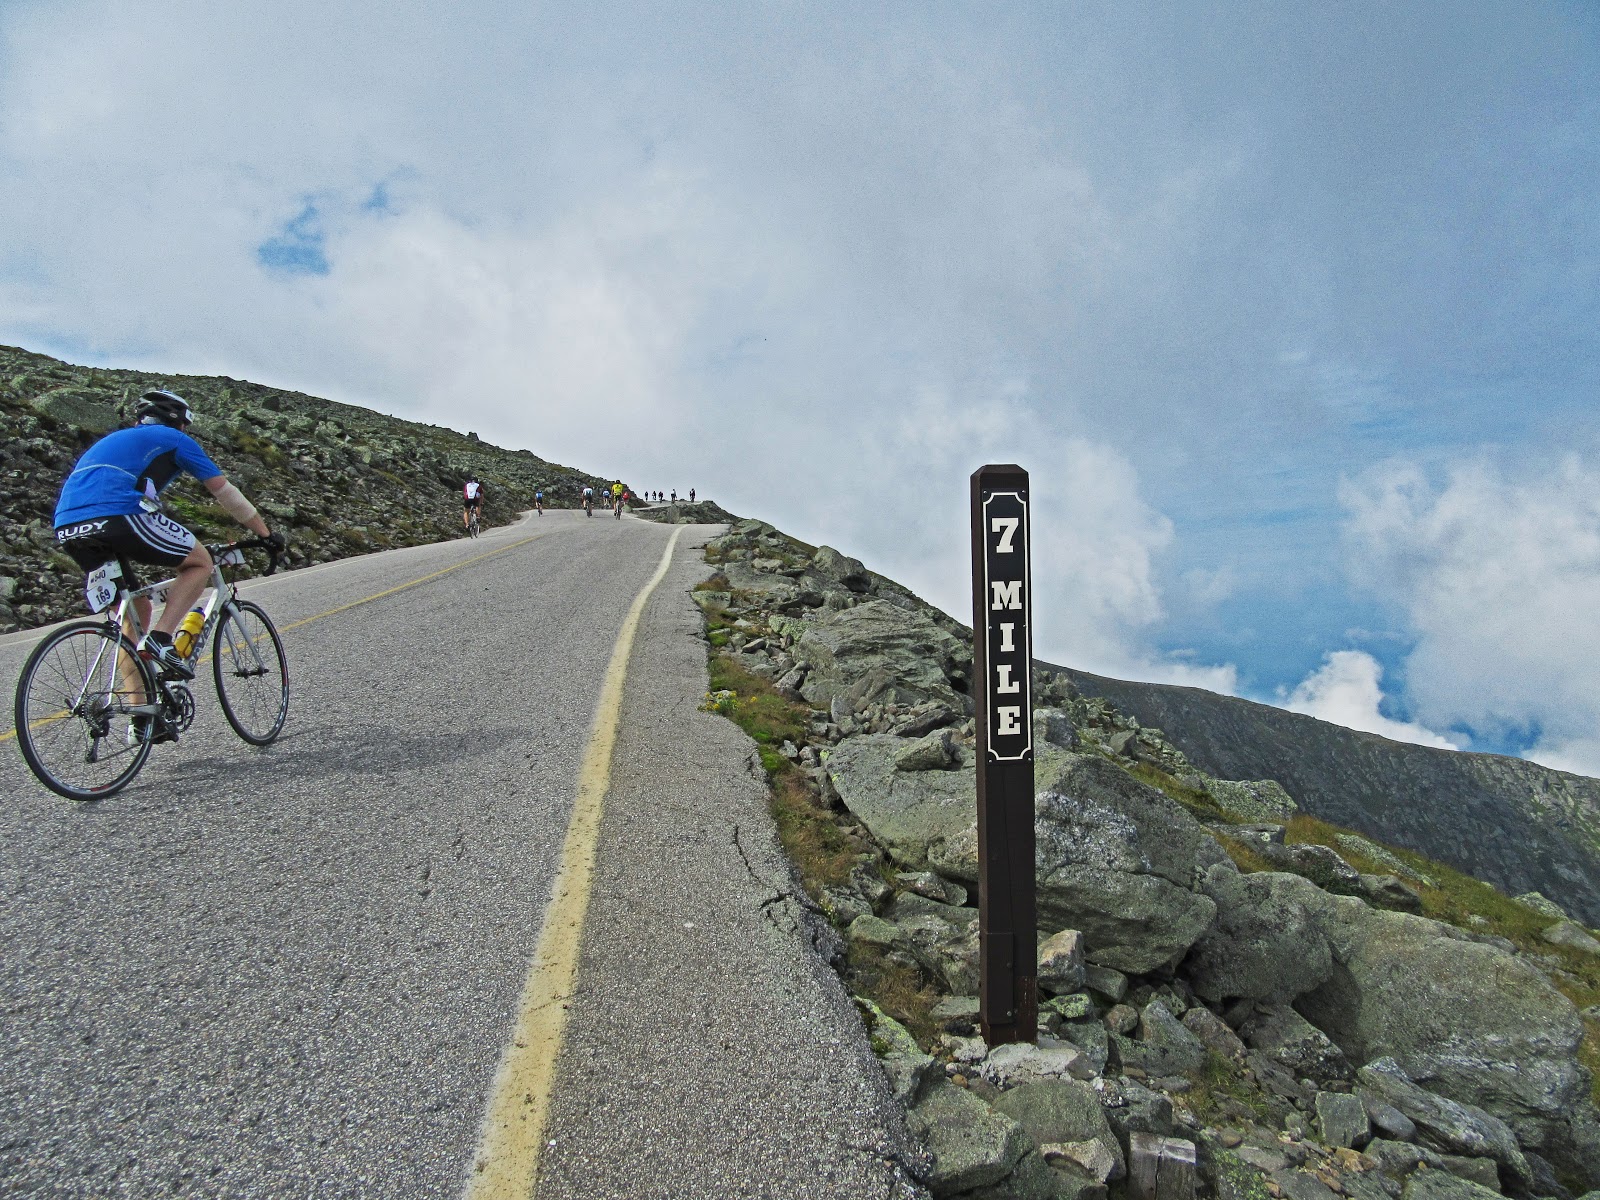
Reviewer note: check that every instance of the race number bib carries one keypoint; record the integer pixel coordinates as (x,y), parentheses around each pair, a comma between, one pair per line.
(101,587)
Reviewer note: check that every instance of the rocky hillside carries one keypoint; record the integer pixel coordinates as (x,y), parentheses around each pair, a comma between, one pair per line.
(1239,1000)
(1516,824)
(338,479)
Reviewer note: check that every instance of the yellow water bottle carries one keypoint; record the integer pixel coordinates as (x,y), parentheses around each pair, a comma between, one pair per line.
(183,640)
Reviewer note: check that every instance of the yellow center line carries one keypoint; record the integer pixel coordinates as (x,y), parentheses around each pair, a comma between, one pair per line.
(9,734)
(400,587)
(506,1166)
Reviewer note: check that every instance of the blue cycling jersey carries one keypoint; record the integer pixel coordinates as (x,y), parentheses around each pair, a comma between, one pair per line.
(125,471)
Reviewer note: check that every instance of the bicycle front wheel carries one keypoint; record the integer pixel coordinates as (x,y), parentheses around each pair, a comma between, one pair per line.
(74,724)
(252,673)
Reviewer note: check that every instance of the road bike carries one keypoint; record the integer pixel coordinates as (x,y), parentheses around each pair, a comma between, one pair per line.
(588,506)
(472,521)
(90,706)
(616,508)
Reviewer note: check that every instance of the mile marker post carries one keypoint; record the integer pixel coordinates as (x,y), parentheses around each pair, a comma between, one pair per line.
(1002,691)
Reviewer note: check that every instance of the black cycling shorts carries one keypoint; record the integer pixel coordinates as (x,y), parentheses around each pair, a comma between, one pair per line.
(478,503)
(153,538)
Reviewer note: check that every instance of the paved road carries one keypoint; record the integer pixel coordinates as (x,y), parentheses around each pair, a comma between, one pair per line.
(291,972)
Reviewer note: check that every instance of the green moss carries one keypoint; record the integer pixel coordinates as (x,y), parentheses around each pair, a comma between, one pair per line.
(258,447)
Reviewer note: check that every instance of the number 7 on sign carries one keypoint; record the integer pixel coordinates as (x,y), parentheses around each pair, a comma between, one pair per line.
(1006,527)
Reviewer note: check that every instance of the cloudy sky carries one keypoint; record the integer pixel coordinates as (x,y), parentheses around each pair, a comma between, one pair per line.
(1291,310)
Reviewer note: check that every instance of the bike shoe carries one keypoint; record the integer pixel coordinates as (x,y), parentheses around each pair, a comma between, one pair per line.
(163,732)
(159,649)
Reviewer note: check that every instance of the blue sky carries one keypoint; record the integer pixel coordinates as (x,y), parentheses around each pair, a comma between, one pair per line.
(1290,310)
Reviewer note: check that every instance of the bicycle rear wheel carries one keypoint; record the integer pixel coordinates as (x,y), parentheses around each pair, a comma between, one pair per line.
(252,674)
(73,724)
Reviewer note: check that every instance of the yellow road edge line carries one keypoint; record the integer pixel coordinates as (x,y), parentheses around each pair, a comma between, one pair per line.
(9,734)
(506,1164)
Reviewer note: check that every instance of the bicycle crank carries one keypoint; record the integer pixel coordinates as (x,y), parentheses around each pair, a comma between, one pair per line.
(177,705)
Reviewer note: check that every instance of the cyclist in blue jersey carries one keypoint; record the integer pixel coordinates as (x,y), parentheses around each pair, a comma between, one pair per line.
(110,508)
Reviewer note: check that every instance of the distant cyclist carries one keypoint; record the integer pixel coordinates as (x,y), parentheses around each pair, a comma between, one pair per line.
(471,500)
(110,508)
(588,501)
(691,495)
(538,501)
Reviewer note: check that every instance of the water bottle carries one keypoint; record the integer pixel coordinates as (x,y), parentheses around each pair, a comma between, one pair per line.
(183,640)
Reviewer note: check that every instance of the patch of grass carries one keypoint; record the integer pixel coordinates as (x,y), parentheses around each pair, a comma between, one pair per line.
(820,850)
(262,449)
(1221,1080)
(765,713)
(1244,856)
(898,989)
(810,836)
(1193,799)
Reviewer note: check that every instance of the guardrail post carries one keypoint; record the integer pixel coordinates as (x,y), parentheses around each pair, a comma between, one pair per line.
(1002,692)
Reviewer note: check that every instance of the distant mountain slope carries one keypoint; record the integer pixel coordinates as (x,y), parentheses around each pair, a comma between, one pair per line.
(1513,823)
(336,478)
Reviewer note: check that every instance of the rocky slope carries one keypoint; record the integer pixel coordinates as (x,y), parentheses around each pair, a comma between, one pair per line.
(1516,824)
(1241,1001)
(336,478)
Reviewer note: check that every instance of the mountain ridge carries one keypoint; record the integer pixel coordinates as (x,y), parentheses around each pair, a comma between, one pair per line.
(1369,783)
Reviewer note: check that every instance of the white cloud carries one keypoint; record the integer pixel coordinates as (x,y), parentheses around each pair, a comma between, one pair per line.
(1499,579)
(822,262)
(1346,691)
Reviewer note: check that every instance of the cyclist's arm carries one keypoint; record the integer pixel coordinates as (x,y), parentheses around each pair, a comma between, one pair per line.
(240,509)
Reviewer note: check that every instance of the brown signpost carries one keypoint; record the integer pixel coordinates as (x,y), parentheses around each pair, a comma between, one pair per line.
(1002,659)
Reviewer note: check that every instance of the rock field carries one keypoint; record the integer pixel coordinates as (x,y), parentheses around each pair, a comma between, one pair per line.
(1225,1011)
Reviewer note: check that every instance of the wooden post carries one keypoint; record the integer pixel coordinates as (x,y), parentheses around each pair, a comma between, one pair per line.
(1002,692)
(1160,1168)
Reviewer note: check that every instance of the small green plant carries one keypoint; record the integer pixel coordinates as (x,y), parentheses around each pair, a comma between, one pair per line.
(1221,1082)
(721,702)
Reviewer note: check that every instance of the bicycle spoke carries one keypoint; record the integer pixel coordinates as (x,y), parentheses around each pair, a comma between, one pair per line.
(251,674)
(73,721)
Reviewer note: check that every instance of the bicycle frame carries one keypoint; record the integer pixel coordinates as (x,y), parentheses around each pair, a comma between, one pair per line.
(124,615)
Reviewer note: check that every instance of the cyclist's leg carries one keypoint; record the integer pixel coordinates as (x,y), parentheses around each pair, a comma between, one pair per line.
(194,572)
(134,626)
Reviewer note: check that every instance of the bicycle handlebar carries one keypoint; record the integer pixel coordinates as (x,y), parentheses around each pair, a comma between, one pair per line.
(255,543)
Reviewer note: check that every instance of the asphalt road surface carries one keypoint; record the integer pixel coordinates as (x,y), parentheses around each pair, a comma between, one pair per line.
(292,971)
